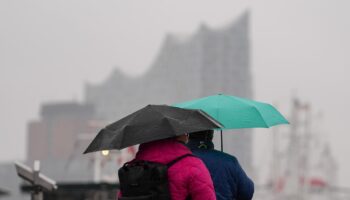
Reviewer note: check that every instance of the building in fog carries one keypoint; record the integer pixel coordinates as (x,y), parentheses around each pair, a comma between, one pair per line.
(59,138)
(208,62)
(205,63)
(55,135)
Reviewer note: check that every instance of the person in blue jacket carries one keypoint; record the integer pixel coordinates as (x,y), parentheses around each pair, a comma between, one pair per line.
(230,180)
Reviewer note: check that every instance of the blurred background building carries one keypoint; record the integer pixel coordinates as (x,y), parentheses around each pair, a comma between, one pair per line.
(187,67)
(55,134)
(210,61)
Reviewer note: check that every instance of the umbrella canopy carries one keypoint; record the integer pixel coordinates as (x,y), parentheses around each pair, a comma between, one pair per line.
(235,113)
(153,122)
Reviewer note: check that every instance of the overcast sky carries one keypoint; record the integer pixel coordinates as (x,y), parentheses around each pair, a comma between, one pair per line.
(50,49)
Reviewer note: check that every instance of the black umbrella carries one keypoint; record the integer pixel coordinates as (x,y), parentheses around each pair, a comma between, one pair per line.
(153,122)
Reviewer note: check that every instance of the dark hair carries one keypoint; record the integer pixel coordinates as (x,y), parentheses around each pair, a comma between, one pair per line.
(206,135)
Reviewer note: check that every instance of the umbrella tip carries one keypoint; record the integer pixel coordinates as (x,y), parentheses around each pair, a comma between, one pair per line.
(87,150)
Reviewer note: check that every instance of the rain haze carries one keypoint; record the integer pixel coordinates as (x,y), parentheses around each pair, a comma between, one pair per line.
(50,49)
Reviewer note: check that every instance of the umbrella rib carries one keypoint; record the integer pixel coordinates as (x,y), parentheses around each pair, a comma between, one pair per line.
(167,120)
(266,125)
(121,140)
(254,107)
(214,121)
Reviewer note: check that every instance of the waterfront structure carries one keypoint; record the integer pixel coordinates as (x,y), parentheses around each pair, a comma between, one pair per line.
(210,61)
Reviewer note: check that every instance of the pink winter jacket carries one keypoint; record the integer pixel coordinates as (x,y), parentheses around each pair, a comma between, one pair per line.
(187,177)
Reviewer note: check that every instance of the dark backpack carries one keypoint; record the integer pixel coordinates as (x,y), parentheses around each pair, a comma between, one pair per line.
(145,180)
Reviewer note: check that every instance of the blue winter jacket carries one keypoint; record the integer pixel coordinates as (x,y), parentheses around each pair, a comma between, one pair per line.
(230,181)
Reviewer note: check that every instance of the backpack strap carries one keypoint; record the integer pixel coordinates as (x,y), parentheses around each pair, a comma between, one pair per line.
(171,163)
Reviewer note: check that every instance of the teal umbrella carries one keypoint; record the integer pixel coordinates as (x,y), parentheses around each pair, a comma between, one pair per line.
(237,113)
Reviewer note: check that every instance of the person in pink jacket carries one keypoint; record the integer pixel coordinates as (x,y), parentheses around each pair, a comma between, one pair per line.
(188,177)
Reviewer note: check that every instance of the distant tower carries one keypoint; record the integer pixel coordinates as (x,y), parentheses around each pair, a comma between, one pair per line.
(207,63)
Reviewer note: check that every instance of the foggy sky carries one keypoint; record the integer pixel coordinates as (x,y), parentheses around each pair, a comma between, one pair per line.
(50,49)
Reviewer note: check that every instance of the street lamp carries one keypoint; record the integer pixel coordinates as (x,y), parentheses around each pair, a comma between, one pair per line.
(105,152)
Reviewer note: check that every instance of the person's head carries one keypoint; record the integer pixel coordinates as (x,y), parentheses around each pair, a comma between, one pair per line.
(206,135)
(182,138)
